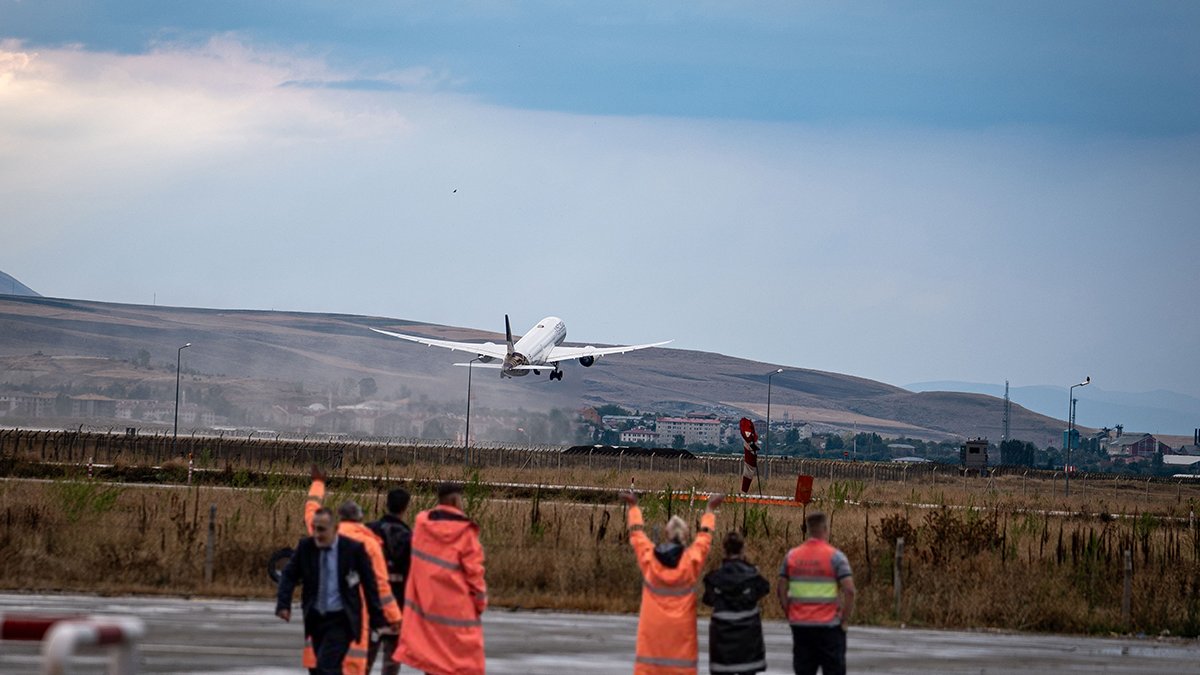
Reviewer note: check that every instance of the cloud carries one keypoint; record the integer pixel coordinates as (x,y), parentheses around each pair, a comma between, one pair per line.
(232,175)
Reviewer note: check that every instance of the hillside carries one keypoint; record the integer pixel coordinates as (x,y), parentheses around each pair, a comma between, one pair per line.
(10,286)
(264,358)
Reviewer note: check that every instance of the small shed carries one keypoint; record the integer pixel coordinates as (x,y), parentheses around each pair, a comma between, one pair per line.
(973,455)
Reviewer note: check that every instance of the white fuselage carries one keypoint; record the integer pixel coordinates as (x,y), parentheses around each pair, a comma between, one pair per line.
(535,346)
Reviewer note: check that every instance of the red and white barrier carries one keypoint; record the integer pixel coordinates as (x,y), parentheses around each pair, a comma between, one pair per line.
(62,636)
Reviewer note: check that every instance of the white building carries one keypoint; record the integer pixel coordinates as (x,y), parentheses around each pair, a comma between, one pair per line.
(693,429)
(639,436)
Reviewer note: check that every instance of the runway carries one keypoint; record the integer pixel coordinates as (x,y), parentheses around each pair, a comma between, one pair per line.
(232,636)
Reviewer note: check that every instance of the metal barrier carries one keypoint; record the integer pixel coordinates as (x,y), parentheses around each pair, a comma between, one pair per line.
(62,636)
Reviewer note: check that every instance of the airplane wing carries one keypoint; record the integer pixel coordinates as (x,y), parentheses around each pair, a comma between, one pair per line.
(485,348)
(567,353)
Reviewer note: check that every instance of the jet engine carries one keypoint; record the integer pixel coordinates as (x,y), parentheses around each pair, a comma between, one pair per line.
(587,361)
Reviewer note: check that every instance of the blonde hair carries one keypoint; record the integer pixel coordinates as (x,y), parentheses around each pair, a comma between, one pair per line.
(677,530)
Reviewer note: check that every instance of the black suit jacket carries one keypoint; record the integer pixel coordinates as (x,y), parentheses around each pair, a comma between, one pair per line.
(305,568)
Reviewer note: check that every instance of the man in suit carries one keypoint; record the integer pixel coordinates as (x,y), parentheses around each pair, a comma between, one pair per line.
(336,574)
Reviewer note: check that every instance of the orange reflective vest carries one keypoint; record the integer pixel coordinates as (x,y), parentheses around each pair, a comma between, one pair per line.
(812,585)
(445,596)
(666,637)
(355,662)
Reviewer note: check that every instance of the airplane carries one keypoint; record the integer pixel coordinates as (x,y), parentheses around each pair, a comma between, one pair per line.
(539,349)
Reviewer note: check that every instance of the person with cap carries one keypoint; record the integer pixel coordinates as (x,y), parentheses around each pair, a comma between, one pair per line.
(735,634)
(397,548)
(666,636)
(350,525)
(445,594)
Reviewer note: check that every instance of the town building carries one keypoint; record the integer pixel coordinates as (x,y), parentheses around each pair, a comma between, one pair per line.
(1136,446)
(639,436)
(693,429)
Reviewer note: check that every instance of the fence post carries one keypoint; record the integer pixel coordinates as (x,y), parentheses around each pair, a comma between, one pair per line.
(1127,596)
(896,581)
(208,549)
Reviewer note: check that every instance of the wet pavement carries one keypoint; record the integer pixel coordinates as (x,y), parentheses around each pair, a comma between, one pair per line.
(232,636)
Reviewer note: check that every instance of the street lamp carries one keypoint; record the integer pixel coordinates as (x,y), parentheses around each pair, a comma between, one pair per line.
(178,359)
(1071,428)
(467,435)
(767,439)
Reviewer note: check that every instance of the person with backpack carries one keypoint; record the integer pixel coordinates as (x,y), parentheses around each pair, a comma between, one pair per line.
(735,634)
(397,549)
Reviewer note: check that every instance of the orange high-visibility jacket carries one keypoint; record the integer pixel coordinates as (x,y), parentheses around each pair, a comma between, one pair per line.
(355,662)
(445,596)
(666,638)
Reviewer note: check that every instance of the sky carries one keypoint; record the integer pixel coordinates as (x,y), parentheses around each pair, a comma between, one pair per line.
(973,191)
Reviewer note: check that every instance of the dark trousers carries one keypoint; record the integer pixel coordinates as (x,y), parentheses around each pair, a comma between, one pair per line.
(330,639)
(387,644)
(821,647)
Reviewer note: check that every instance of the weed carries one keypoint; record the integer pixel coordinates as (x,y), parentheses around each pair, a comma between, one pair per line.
(80,498)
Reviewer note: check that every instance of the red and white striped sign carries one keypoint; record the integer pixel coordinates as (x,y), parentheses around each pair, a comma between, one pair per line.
(749,452)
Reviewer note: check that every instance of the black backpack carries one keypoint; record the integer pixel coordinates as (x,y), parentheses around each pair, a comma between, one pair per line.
(397,546)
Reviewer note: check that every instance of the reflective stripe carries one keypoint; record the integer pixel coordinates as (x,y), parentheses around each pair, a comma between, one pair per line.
(816,590)
(761,664)
(823,624)
(636,528)
(313,498)
(440,562)
(666,590)
(735,616)
(395,578)
(480,596)
(387,600)
(706,529)
(356,653)
(670,663)
(444,620)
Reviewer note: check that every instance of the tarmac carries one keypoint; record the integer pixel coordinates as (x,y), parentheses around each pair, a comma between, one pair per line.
(238,636)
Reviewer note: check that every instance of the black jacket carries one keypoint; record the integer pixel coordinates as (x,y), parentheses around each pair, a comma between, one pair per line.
(305,568)
(735,637)
(397,548)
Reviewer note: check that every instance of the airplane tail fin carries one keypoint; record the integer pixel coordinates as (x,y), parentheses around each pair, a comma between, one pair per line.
(508,334)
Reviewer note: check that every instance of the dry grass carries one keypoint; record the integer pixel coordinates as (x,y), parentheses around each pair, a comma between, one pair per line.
(997,564)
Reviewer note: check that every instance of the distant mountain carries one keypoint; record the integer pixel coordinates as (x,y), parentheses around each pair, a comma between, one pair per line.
(10,286)
(1160,411)
(262,359)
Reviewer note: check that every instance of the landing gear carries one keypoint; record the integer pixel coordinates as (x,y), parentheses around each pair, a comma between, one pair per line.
(556,374)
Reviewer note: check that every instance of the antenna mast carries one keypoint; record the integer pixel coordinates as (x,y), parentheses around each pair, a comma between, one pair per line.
(1007,413)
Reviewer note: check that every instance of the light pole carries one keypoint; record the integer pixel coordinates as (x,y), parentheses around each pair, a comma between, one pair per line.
(767,438)
(1071,428)
(467,435)
(178,360)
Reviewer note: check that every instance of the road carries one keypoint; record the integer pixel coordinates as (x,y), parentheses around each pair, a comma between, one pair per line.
(231,636)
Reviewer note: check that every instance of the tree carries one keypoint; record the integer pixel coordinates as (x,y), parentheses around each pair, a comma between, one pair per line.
(677,441)
(834,442)
(367,387)
(792,436)
(611,409)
